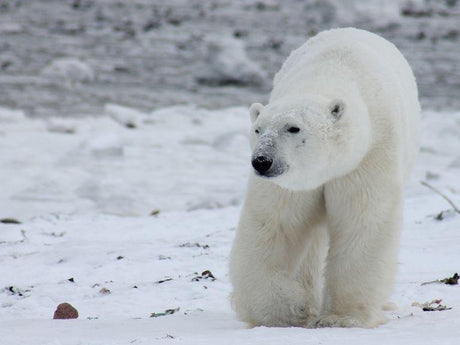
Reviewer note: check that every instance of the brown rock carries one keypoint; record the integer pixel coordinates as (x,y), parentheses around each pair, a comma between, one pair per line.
(65,311)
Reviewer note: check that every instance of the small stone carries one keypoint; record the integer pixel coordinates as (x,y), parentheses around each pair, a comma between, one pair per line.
(65,311)
(105,291)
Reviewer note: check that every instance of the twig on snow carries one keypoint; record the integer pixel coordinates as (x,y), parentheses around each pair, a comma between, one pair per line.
(448,281)
(442,195)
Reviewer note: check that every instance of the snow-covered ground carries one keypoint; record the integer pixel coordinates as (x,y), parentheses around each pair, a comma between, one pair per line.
(85,188)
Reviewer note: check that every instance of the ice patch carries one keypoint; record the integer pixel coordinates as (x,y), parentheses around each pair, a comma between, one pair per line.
(106,144)
(69,69)
(230,141)
(10,28)
(11,115)
(61,125)
(127,117)
(111,196)
(227,63)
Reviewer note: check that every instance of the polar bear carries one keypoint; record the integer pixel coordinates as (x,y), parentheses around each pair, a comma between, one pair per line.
(317,241)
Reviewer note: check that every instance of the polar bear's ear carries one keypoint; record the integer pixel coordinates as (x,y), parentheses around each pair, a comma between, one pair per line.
(337,108)
(254,111)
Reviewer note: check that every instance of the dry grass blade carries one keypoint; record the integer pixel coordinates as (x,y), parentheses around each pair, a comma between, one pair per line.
(434,305)
(442,195)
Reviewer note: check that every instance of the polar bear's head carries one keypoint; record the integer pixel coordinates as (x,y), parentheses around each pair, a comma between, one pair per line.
(302,145)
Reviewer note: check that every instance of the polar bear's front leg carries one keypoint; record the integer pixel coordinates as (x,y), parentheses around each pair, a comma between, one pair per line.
(262,270)
(364,223)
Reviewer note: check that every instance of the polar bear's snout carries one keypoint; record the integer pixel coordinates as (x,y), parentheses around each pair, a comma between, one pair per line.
(262,163)
(266,159)
(266,164)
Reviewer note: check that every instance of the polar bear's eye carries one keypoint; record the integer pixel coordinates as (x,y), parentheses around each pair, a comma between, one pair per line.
(293,129)
(257,131)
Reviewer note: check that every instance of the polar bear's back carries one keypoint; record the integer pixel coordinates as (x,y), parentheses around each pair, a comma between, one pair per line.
(371,61)
(345,41)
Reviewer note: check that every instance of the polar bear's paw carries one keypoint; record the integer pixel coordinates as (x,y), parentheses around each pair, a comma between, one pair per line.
(301,315)
(335,321)
(287,316)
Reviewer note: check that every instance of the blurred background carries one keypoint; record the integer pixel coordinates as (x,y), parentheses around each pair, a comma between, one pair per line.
(67,58)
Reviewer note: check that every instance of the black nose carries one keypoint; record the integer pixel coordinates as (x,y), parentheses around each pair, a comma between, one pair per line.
(262,163)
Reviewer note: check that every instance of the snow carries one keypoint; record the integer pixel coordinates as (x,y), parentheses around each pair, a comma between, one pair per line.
(10,28)
(84,189)
(125,116)
(146,54)
(105,166)
(226,62)
(69,69)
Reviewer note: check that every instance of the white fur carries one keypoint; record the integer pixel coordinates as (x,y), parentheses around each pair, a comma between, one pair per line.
(317,244)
